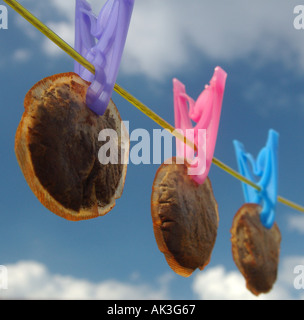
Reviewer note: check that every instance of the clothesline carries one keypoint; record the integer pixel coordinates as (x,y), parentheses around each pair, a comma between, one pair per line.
(131,99)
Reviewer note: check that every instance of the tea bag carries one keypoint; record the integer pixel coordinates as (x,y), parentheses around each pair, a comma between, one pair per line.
(185,218)
(255,249)
(57,146)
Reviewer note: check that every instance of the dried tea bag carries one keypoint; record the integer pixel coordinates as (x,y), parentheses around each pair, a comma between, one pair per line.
(185,218)
(57,145)
(255,249)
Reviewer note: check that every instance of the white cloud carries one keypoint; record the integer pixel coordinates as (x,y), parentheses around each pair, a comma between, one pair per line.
(32,280)
(296,223)
(163,34)
(21,55)
(219,284)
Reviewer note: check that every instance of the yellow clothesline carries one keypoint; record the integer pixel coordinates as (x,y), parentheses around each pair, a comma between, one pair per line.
(126,95)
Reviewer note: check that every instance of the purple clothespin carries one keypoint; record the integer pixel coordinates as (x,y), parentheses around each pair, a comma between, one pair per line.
(206,112)
(101,41)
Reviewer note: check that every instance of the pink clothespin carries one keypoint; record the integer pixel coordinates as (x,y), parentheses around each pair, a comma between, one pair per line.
(206,112)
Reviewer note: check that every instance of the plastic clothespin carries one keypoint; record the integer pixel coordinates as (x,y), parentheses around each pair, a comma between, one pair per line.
(101,41)
(266,169)
(205,111)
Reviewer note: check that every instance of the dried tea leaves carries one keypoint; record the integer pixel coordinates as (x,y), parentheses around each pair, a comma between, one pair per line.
(255,249)
(57,149)
(185,218)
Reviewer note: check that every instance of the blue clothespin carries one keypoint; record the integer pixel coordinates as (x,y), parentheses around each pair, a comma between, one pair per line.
(101,41)
(265,168)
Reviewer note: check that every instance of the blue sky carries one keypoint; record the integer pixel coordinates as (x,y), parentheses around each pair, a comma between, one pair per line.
(116,256)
